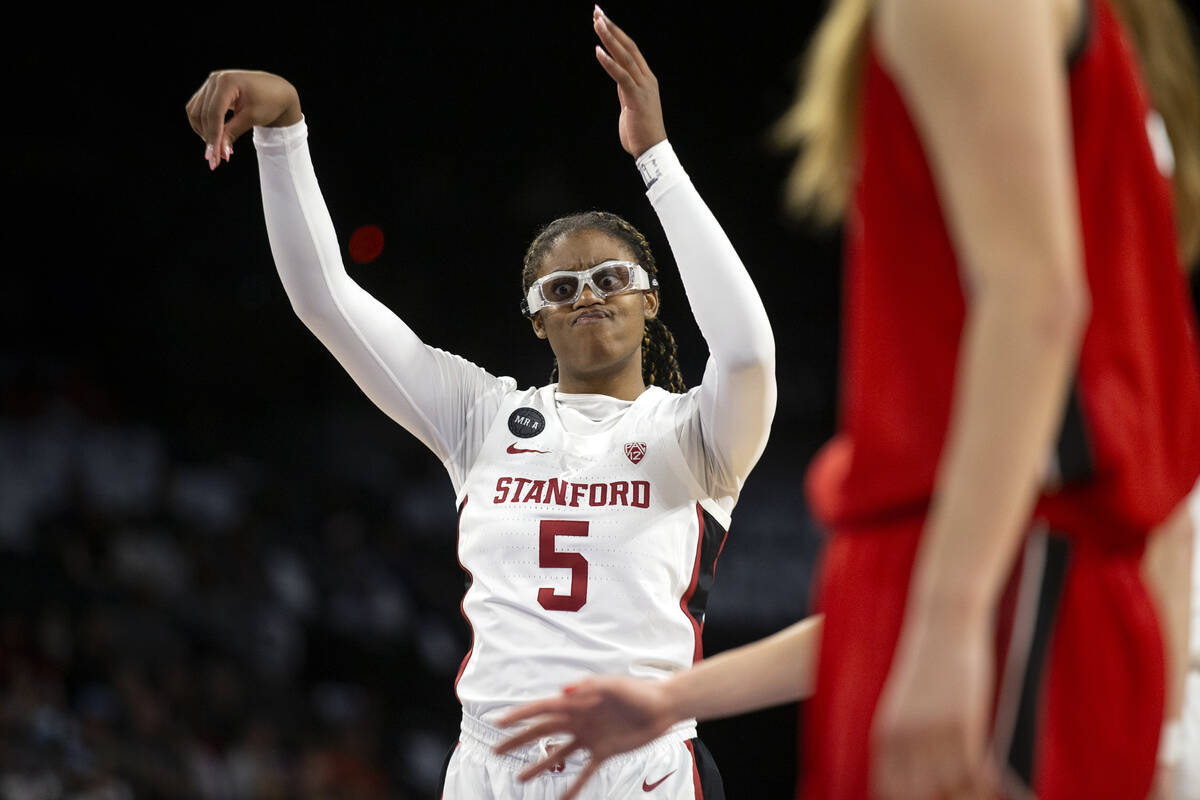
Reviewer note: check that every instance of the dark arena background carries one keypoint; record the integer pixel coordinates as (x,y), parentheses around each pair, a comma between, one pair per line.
(223,572)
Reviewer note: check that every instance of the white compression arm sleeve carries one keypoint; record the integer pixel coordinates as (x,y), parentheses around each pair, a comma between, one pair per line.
(438,397)
(738,393)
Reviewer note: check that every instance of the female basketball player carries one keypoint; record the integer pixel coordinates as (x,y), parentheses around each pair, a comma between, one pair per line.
(1021,403)
(591,511)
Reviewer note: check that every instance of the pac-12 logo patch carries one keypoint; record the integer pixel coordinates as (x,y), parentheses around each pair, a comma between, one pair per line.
(636,451)
(526,422)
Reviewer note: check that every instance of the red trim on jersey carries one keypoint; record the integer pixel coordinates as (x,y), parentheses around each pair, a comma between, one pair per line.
(695,771)
(697,628)
(461,610)
(685,601)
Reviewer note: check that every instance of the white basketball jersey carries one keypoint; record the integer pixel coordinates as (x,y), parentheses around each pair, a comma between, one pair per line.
(587,553)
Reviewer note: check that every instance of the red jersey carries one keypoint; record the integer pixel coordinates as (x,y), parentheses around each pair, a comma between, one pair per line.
(1136,401)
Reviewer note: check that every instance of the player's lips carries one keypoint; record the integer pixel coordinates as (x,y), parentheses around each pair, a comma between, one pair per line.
(589,316)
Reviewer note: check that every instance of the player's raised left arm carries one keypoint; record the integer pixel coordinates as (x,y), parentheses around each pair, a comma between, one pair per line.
(738,395)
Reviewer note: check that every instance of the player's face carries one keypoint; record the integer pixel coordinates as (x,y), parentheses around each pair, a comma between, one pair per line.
(593,335)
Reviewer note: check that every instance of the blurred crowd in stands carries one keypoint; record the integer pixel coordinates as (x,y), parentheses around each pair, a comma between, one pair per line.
(192,632)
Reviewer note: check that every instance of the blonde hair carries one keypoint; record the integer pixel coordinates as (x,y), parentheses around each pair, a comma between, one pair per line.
(822,123)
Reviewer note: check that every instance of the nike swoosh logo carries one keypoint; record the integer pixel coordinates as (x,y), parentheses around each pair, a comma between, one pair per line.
(650,787)
(513,449)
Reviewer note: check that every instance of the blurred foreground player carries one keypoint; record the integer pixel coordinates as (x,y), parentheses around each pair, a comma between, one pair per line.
(1020,404)
(592,509)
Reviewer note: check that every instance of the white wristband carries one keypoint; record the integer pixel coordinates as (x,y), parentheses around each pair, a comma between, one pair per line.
(1170,744)
(659,167)
(281,139)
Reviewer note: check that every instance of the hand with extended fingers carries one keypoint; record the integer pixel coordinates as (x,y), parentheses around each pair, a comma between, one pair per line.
(641,125)
(604,716)
(254,98)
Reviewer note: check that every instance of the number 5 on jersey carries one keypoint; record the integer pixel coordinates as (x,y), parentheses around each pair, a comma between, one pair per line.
(550,558)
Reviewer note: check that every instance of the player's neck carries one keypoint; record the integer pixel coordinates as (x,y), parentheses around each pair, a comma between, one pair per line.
(623,384)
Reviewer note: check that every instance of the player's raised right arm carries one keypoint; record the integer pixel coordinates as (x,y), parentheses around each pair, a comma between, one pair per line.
(427,391)
(255,98)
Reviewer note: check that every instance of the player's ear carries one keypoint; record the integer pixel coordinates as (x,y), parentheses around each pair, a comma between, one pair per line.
(650,304)
(539,327)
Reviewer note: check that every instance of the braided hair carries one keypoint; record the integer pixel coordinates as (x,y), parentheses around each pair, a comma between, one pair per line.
(660,365)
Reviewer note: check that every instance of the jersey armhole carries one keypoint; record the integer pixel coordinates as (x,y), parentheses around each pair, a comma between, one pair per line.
(455,461)
(1083,34)
(679,463)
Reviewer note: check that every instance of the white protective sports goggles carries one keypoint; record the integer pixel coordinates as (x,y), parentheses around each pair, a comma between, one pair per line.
(605,279)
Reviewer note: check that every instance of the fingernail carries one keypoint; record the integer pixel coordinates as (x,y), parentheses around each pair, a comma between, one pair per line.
(228,152)
(599,9)
(208,153)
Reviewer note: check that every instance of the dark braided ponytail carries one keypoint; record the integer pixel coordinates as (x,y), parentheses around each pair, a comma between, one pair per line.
(660,365)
